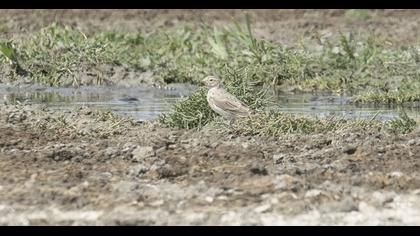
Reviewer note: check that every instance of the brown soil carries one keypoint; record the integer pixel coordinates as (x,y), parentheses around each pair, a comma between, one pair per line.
(284,26)
(150,175)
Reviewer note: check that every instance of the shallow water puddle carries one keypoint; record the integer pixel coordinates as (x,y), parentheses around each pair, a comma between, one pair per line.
(325,105)
(140,103)
(147,103)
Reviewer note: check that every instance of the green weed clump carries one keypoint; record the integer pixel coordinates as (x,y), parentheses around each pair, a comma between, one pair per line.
(58,53)
(9,55)
(276,124)
(403,124)
(405,98)
(194,111)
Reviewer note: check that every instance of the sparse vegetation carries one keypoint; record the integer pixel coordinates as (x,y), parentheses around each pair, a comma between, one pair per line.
(406,98)
(58,55)
(403,125)
(10,56)
(359,14)
(194,111)
(84,122)
(368,67)
(276,123)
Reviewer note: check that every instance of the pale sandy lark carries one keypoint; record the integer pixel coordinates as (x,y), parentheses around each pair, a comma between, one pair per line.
(223,102)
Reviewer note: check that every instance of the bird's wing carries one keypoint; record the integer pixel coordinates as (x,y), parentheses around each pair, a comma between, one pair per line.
(228,102)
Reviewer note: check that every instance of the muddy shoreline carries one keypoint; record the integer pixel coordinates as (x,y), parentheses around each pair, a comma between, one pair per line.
(146,174)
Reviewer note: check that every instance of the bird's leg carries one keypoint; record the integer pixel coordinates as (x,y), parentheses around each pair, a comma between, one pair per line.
(231,124)
(228,121)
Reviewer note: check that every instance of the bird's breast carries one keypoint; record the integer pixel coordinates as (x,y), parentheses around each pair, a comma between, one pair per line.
(210,94)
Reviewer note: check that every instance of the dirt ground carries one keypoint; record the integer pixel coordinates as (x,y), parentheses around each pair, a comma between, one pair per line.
(149,175)
(284,26)
(146,174)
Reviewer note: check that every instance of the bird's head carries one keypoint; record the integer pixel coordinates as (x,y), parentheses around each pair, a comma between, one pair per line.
(211,81)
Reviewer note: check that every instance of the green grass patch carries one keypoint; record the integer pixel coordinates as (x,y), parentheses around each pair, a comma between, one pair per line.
(61,55)
(403,124)
(194,111)
(276,124)
(359,14)
(10,56)
(405,98)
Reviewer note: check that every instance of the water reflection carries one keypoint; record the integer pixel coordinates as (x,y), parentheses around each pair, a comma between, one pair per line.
(323,105)
(140,103)
(146,103)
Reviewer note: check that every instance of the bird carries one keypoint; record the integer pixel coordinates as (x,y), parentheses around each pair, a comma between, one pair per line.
(224,103)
